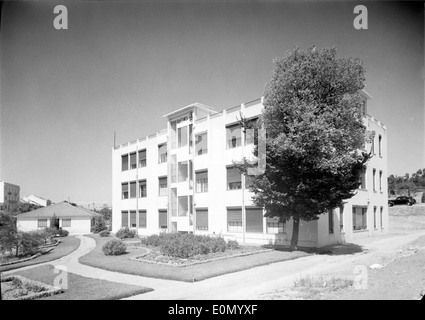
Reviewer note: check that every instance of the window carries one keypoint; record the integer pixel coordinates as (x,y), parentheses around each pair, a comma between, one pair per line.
(362,179)
(331,221)
(201,144)
(124,188)
(162,153)
(162,217)
(341,217)
(142,219)
(374,180)
(133,189)
(234,220)
(163,190)
(124,219)
(374,217)
(233,136)
(381,211)
(66,223)
(380,145)
(173,203)
(274,226)
(234,180)
(42,223)
(359,218)
(143,189)
(183,171)
(133,162)
(254,220)
(251,134)
(124,162)
(202,181)
(183,206)
(201,219)
(133,219)
(182,136)
(380,181)
(142,158)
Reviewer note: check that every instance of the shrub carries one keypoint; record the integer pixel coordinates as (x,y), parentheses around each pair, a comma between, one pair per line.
(232,244)
(38,236)
(27,244)
(51,232)
(99,224)
(104,233)
(152,241)
(63,233)
(114,247)
(187,245)
(125,233)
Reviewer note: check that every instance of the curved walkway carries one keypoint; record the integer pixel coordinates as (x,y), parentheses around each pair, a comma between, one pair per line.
(71,264)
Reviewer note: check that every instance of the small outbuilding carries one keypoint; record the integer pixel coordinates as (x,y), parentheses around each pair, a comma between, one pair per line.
(74,219)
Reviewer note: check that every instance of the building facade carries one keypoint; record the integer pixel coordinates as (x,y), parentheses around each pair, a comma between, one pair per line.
(39,201)
(183,179)
(74,219)
(9,196)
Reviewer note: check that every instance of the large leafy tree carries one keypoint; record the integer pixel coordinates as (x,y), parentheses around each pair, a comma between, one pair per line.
(315,134)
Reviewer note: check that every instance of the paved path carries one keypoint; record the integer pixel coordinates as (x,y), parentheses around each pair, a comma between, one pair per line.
(71,264)
(247,284)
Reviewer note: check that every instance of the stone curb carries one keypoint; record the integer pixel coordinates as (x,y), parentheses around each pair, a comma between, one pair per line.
(51,290)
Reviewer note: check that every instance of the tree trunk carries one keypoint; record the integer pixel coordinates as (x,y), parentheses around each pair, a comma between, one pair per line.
(295,232)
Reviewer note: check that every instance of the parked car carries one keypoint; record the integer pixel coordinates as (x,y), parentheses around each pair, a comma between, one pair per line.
(401,200)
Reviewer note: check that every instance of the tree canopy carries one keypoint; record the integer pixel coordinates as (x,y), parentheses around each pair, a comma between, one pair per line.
(315,136)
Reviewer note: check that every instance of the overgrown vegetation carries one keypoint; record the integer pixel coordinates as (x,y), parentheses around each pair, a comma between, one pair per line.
(188,245)
(414,182)
(99,224)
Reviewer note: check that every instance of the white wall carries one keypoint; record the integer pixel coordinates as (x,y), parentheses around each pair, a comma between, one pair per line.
(78,225)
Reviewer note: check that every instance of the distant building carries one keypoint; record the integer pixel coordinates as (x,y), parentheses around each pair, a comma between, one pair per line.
(9,196)
(74,219)
(183,179)
(39,201)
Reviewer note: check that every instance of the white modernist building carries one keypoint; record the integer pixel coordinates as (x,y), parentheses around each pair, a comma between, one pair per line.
(183,179)
(39,201)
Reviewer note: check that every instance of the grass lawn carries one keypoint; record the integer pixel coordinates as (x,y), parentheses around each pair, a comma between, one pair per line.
(96,258)
(67,245)
(82,288)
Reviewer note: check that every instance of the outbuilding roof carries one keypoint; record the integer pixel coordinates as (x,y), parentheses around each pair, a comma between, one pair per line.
(60,210)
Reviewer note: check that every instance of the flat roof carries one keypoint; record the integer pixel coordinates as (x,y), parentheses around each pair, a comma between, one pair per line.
(190,106)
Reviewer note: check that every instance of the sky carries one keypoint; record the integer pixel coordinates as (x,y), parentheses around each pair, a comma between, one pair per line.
(120,66)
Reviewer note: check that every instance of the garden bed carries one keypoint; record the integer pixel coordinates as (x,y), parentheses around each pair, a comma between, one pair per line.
(14,260)
(19,288)
(154,256)
(81,288)
(65,247)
